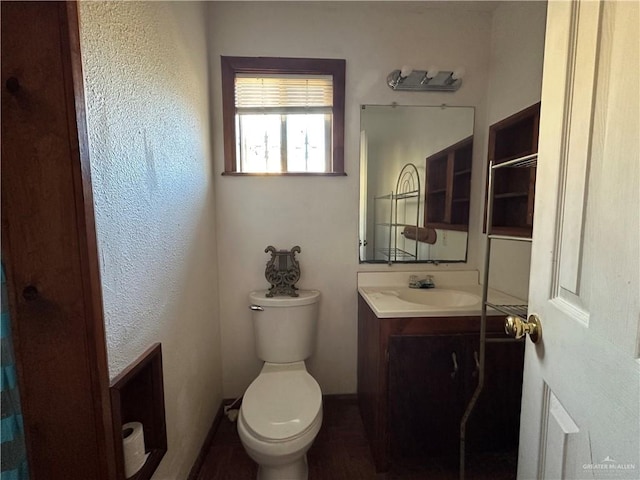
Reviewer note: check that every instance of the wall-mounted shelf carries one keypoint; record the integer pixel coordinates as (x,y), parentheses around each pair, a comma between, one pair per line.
(447,193)
(137,395)
(513,142)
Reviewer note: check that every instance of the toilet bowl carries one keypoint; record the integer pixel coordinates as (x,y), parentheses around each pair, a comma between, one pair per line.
(281,411)
(280,416)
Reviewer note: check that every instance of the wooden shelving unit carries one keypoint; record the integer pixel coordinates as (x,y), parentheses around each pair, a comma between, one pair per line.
(447,193)
(515,137)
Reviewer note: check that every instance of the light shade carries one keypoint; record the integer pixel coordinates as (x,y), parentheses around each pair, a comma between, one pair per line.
(458,73)
(405,71)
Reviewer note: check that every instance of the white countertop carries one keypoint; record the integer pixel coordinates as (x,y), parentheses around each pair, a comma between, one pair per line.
(380,291)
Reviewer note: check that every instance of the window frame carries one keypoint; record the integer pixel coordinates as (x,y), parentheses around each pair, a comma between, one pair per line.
(230,66)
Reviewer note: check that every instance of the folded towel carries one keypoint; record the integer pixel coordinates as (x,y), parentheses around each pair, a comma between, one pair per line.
(421,234)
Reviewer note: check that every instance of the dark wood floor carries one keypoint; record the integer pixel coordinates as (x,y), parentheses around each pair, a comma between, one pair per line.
(341,452)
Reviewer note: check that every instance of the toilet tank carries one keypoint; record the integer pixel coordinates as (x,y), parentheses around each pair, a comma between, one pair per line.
(285,327)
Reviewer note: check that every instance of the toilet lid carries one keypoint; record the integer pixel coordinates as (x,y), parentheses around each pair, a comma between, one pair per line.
(280,405)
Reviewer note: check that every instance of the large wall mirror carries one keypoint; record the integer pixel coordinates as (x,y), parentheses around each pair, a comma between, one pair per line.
(415,167)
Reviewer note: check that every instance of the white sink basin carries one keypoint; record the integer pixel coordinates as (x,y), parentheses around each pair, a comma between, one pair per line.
(392,298)
(437,297)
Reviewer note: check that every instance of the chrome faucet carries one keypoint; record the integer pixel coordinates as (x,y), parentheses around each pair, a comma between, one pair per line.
(427,282)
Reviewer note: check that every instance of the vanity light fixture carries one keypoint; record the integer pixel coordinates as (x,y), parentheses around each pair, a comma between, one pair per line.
(430,80)
(401,76)
(429,75)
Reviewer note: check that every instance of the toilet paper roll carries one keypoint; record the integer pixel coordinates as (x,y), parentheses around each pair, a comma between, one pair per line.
(133,448)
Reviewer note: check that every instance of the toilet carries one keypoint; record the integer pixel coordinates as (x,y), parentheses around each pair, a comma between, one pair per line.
(281,410)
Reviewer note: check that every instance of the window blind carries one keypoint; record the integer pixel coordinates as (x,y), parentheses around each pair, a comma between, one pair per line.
(283,91)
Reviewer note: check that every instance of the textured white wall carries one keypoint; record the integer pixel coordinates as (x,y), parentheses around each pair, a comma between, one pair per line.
(515,82)
(321,214)
(146,81)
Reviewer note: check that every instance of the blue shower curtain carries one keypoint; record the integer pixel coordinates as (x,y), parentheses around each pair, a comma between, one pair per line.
(13,461)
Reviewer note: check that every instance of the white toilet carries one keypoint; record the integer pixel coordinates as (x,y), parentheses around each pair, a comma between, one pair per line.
(281,411)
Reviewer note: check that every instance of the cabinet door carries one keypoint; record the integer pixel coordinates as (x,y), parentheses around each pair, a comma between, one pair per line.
(425,394)
(495,421)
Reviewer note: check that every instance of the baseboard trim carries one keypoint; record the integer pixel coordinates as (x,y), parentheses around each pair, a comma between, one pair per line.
(197,465)
(341,397)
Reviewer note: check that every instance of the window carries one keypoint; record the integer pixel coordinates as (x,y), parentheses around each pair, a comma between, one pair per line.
(283,116)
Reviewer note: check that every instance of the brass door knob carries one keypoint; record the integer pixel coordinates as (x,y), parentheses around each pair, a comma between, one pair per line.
(517,328)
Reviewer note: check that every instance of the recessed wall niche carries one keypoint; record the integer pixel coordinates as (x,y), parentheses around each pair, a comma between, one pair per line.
(137,395)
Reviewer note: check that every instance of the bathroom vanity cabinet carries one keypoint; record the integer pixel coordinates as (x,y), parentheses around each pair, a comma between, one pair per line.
(416,376)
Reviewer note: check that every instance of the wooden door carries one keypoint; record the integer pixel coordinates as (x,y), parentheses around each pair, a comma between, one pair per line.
(580,406)
(49,246)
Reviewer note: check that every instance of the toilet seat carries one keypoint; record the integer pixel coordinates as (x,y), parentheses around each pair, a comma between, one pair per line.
(282,403)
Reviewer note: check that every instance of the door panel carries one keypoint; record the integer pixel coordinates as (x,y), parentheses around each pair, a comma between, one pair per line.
(582,49)
(581,390)
(561,437)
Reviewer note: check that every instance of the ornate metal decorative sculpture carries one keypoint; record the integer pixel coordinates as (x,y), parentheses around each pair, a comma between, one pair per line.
(282,272)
